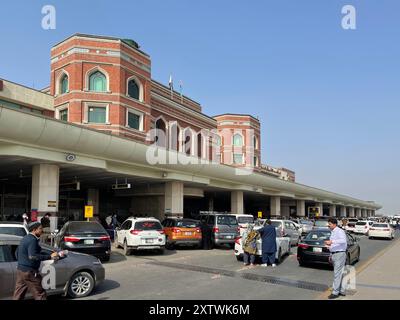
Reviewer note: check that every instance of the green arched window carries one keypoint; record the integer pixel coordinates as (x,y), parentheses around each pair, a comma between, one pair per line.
(97,82)
(64,84)
(237,140)
(133,89)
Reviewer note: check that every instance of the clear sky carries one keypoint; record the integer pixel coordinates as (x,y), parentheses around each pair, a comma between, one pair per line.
(328,99)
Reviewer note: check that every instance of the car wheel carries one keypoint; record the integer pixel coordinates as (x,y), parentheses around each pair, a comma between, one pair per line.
(239,258)
(280,255)
(358,255)
(348,260)
(370,238)
(105,258)
(81,285)
(116,245)
(160,251)
(301,263)
(127,251)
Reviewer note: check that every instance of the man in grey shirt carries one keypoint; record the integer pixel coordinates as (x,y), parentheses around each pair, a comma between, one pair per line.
(337,246)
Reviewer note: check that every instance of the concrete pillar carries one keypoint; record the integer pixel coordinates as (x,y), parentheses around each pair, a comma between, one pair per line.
(332,210)
(93,200)
(301,208)
(320,205)
(358,213)
(363,213)
(237,202)
(45,188)
(275,206)
(211,204)
(174,198)
(351,212)
(342,211)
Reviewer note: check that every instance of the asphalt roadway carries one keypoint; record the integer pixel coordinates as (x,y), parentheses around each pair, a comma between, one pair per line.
(193,274)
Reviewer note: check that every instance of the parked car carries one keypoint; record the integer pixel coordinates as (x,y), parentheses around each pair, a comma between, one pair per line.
(140,234)
(224,228)
(351,224)
(244,220)
(362,227)
(76,274)
(287,227)
(13,228)
(320,224)
(312,249)
(381,230)
(86,237)
(282,244)
(306,226)
(180,231)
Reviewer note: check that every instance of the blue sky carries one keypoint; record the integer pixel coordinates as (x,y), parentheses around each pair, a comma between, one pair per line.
(327,98)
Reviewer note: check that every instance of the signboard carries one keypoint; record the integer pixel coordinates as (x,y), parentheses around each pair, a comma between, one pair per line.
(88,211)
(51,204)
(260,214)
(314,211)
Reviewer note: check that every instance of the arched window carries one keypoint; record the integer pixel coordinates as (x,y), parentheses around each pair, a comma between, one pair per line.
(64,84)
(97,82)
(255,142)
(188,141)
(199,145)
(133,89)
(174,133)
(237,140)
(161,137)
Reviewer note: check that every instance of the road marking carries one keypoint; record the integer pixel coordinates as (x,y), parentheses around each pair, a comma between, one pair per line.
(362,267)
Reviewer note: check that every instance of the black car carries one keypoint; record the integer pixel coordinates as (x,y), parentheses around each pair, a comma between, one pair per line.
(312,249)
(85,237)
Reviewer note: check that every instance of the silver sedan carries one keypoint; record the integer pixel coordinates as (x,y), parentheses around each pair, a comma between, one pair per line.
(76,275)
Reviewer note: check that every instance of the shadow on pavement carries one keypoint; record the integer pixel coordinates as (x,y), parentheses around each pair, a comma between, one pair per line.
(115,257)
(105,286)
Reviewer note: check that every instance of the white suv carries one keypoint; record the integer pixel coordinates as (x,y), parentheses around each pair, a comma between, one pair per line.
(140,234)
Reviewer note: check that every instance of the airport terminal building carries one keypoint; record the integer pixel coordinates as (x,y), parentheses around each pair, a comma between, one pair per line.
(105,134)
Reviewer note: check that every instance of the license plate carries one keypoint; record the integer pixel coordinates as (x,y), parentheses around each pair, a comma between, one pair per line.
(188,233)
(317,249)
(89,241)
(148,240)
(229,237)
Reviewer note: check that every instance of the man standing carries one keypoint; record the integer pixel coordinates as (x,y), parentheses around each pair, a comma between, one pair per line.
(29,258)
(268,238)
(337,246)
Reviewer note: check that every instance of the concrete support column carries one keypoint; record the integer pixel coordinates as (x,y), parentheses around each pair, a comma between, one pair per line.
(358,213)
(93,200)
(332,210)
(342,211)
(237,202)
(351,212)
(363,213)
(211,204)
(301,208)
(174,198)
(45,188)
(275,206)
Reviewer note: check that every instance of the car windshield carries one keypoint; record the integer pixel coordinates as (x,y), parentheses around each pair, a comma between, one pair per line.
(148,225)
(245,219)
(361,223)
(321,223)
(85,227)
(318,236)
(306,222)
(15,231)
(187,224)
(380,225)
(227,220)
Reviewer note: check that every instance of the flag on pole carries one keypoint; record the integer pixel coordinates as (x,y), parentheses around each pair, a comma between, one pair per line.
(171,84)
(181,89)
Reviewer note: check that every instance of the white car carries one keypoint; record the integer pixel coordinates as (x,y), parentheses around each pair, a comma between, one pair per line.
(362,227)
(282,244)
(243,221)
(351,225)
(13,228)
(381,230)
(140,234)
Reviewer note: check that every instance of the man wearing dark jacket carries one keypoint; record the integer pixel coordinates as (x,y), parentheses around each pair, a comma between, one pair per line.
(29,258)
(268,238)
